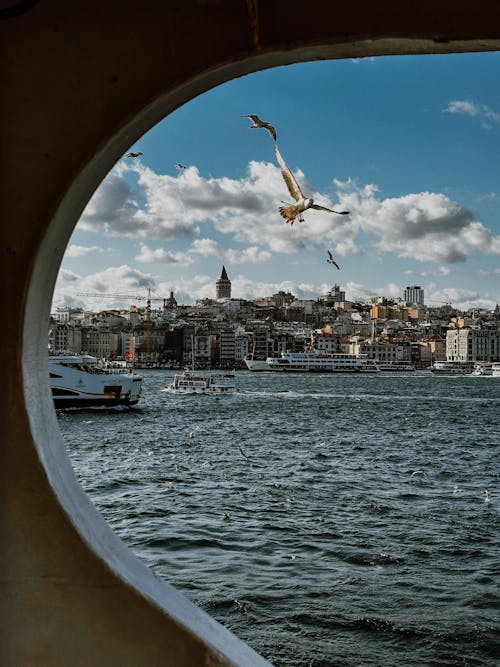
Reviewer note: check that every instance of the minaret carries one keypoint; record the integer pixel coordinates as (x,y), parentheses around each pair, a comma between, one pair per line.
(223,286)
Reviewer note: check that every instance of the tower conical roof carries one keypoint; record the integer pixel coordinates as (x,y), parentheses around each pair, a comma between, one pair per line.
(223,275)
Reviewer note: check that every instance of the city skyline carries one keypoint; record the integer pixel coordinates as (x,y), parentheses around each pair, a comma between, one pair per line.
(408,144)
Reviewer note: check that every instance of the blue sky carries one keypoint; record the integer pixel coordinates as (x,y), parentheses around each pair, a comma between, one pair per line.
(409,145)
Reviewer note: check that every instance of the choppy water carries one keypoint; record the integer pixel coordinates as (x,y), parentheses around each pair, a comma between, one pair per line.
(316,516)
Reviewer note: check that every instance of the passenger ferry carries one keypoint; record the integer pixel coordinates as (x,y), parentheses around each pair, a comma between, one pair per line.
(452,367)
(198,382)
(81,381)
(256,364)
(318,362)
(495,369)
(483,369)
(396,366)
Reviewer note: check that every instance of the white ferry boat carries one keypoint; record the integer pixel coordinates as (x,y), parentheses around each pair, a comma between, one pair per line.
(396,366)
(80,381)
(318,362)
(483,369)
(198,382)
(256,364)
(495,369)
(452,367)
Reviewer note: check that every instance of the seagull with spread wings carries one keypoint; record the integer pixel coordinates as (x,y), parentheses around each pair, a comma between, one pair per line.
(258,123)
(330,260)
(138,154)
(293,211)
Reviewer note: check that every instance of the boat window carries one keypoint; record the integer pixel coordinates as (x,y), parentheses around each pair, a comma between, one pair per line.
(112,389)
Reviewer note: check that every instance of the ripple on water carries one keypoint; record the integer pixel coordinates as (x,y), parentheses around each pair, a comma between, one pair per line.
(314,516)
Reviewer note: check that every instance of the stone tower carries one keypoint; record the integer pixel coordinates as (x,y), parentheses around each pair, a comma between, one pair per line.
(223,286)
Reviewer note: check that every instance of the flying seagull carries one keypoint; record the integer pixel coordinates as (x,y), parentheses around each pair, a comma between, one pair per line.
(180,166)
(292,211)
(330,260)
(138,154)
(258,123)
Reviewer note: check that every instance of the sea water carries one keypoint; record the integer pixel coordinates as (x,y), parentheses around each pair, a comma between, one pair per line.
(327,520)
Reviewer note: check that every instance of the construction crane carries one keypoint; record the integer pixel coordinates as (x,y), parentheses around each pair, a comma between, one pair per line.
(131,297)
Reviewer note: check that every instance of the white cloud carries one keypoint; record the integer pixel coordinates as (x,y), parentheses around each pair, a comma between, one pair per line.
(468,108)
(440,270)
(250,255)
(124,280)
(207,248)
(426,226)
(148,256)
(489,196)
(73,289)
(81,250)
(490,272)
(460,298)
(175,207)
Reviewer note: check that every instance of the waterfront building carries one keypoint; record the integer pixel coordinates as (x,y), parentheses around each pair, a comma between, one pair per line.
(261,344)
(381,349)
(227,346)
(127,344)
(65,337)
(242,346)
(99,342)
(467,344)
(223,286)
(325,341)
(68,315)
(172,351)
(203,350)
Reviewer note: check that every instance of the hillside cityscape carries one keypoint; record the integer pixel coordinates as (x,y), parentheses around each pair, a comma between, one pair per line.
(221,332)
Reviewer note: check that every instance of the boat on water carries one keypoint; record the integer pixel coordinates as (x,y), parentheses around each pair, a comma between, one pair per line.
(319,362)
(396,366)
(483,369)
(256,364)
(449,367)
(199,382)
(81,381)
(495,369)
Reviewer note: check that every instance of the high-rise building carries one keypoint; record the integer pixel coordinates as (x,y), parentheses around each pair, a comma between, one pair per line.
(414,294)
(223,286)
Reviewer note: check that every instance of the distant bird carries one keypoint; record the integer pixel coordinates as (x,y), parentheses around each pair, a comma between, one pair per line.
(258,123)
(456,489)
(293,211)
(330,260)
(180,166)
(417,472)
(487,496)
(138,154)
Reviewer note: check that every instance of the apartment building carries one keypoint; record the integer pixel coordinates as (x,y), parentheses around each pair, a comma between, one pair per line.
(473,344)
